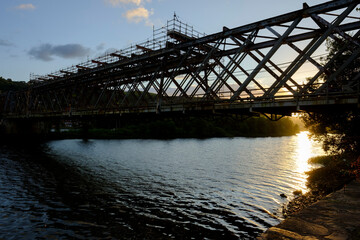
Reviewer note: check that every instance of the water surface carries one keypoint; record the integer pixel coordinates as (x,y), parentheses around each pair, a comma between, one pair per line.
(148,189)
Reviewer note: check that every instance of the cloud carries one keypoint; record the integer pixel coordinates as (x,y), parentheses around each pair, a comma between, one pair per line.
(137,15)
(134,15)
(46,52)
(100,47)
(5,43)
(124,2)
(111,50)
(27,6)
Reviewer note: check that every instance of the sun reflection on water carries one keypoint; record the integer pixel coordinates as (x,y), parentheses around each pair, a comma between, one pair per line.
(304,152)
(305,149)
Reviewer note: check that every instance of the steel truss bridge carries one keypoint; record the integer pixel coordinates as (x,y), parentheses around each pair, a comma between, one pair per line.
(274,66)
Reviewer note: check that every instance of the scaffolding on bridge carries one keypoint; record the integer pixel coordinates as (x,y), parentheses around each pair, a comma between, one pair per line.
(161,38)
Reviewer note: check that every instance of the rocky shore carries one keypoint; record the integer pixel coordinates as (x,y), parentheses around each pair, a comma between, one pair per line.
(301,201)
(336,216)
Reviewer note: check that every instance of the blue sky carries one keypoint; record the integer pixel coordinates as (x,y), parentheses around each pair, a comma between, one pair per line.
(43,36)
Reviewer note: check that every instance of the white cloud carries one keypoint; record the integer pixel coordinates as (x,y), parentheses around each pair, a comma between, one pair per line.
(121,2)
(26,6)
(137,15)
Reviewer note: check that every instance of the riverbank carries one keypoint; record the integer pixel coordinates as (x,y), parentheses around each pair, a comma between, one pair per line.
(157,127)
(335,172)
(324,211)
(337,216)
(190,127)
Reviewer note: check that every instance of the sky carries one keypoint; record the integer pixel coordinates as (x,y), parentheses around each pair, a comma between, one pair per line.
(43,36)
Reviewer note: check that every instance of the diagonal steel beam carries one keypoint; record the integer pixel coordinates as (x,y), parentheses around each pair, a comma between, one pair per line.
(204,62)
(316,45)
(230,74)
(272,73)
(276,76)
(339,70)
(116,88)
(344,48)
(148,86)
(293,67)
(131,87)
(325,24)
(204,80)
(50,100)
(298,50)
(101,94)
(218,90)
(255,81)
(171,78)
(250,54)
(203,84)
(235,61)
(267,57)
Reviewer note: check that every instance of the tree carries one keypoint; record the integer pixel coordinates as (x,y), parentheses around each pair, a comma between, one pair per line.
(9,85)
(339,130)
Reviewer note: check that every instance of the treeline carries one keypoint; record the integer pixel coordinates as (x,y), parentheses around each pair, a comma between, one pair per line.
(9,85)
(193,127)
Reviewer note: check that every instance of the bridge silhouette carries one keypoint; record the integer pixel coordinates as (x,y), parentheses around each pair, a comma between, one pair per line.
(275,66)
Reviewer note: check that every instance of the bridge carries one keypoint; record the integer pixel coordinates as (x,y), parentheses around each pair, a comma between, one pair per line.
(275,66)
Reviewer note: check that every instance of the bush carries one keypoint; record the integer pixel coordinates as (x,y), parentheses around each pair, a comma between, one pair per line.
(333,175)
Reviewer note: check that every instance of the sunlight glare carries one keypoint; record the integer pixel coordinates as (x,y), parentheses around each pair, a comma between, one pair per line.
(304,152)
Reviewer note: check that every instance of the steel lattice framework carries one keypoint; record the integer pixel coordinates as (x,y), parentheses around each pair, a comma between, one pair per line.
(261,66)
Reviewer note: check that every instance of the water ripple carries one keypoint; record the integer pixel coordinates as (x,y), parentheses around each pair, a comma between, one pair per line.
(119,189)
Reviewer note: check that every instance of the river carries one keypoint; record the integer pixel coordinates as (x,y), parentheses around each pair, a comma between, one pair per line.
(221,188)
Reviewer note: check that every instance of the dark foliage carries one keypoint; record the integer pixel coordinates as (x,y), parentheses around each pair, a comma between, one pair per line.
(346,77)
(9,85)
(336,171)
(194,127)
(338,129)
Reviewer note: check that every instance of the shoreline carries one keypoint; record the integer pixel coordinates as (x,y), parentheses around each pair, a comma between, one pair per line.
(311,216)
(113,135)
(299,202)
(159,128)
(327,184)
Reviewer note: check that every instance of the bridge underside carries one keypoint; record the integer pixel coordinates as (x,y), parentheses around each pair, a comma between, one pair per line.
(274,66)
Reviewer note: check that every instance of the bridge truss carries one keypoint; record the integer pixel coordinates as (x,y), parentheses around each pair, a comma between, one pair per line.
(274,66)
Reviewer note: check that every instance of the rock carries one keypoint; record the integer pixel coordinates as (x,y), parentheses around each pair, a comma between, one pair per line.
(278,233)
(283,195)
(335,217)
(306,228)
(297,193)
